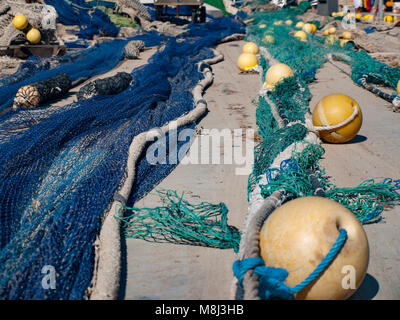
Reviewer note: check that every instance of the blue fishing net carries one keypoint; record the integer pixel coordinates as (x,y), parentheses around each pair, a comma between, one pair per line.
(77,12)
(61,166)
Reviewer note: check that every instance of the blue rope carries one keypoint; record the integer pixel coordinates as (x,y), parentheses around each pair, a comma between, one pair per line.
(271,279)
(324,263)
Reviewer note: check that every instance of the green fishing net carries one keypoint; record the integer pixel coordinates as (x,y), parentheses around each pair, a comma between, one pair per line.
(290,101)
(181,222)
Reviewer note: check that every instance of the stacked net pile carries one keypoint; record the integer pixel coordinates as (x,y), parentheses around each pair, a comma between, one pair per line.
(70,161)
(286,162)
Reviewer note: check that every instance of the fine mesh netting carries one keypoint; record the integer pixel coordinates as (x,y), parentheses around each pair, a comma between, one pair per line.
(78,12)
(181,222)
(70,160)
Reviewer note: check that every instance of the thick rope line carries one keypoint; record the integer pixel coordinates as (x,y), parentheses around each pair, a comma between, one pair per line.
(106,275)
(336,247)
(335,126)
(260,208)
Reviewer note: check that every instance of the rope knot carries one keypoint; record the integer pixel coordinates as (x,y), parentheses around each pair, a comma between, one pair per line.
(272,280)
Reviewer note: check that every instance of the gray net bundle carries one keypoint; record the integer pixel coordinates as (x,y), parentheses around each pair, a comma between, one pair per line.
(107,86)
(133,49)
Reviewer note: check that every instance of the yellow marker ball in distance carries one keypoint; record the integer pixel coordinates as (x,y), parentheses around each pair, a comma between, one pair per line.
(334,14)
(347,35)
(332,30)
(334,109)
(288,22)
(331,39)
(314,28)
(268,39)
(250,47)
(278,23)
(308,28)
(388,19)
(299,25)
(20,22)
(262,26)
(276,74)
(301,35)
(247,61)
(326,32)
(300,233)
(358,16)
(34,36)
(340,14)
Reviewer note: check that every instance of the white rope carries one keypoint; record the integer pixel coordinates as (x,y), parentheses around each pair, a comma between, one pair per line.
(313,128)
(106,275)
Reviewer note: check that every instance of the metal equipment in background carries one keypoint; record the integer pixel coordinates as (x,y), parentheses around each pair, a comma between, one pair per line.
(198,12)
(326,7)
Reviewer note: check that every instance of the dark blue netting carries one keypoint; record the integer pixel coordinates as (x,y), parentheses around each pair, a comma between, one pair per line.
(94,23)
(91,22)
(61,166)
(85,63)
(66,13)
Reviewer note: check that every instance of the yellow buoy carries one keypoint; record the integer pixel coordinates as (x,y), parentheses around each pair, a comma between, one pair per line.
(247,61)
(332,30)
(276,74)
(301,35)
(299,24)
(347,35)
(268,39)
(262,26)
(358,16)
(20,22)
(278,23)
(308,28)
(288,22)
(300,233)
(314,28)
(334,14)
(250,47)
(331,39)
(388,19)
(33,36)
(398,84)
(326,32)
(340,14)
(335,109)
(394,19)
